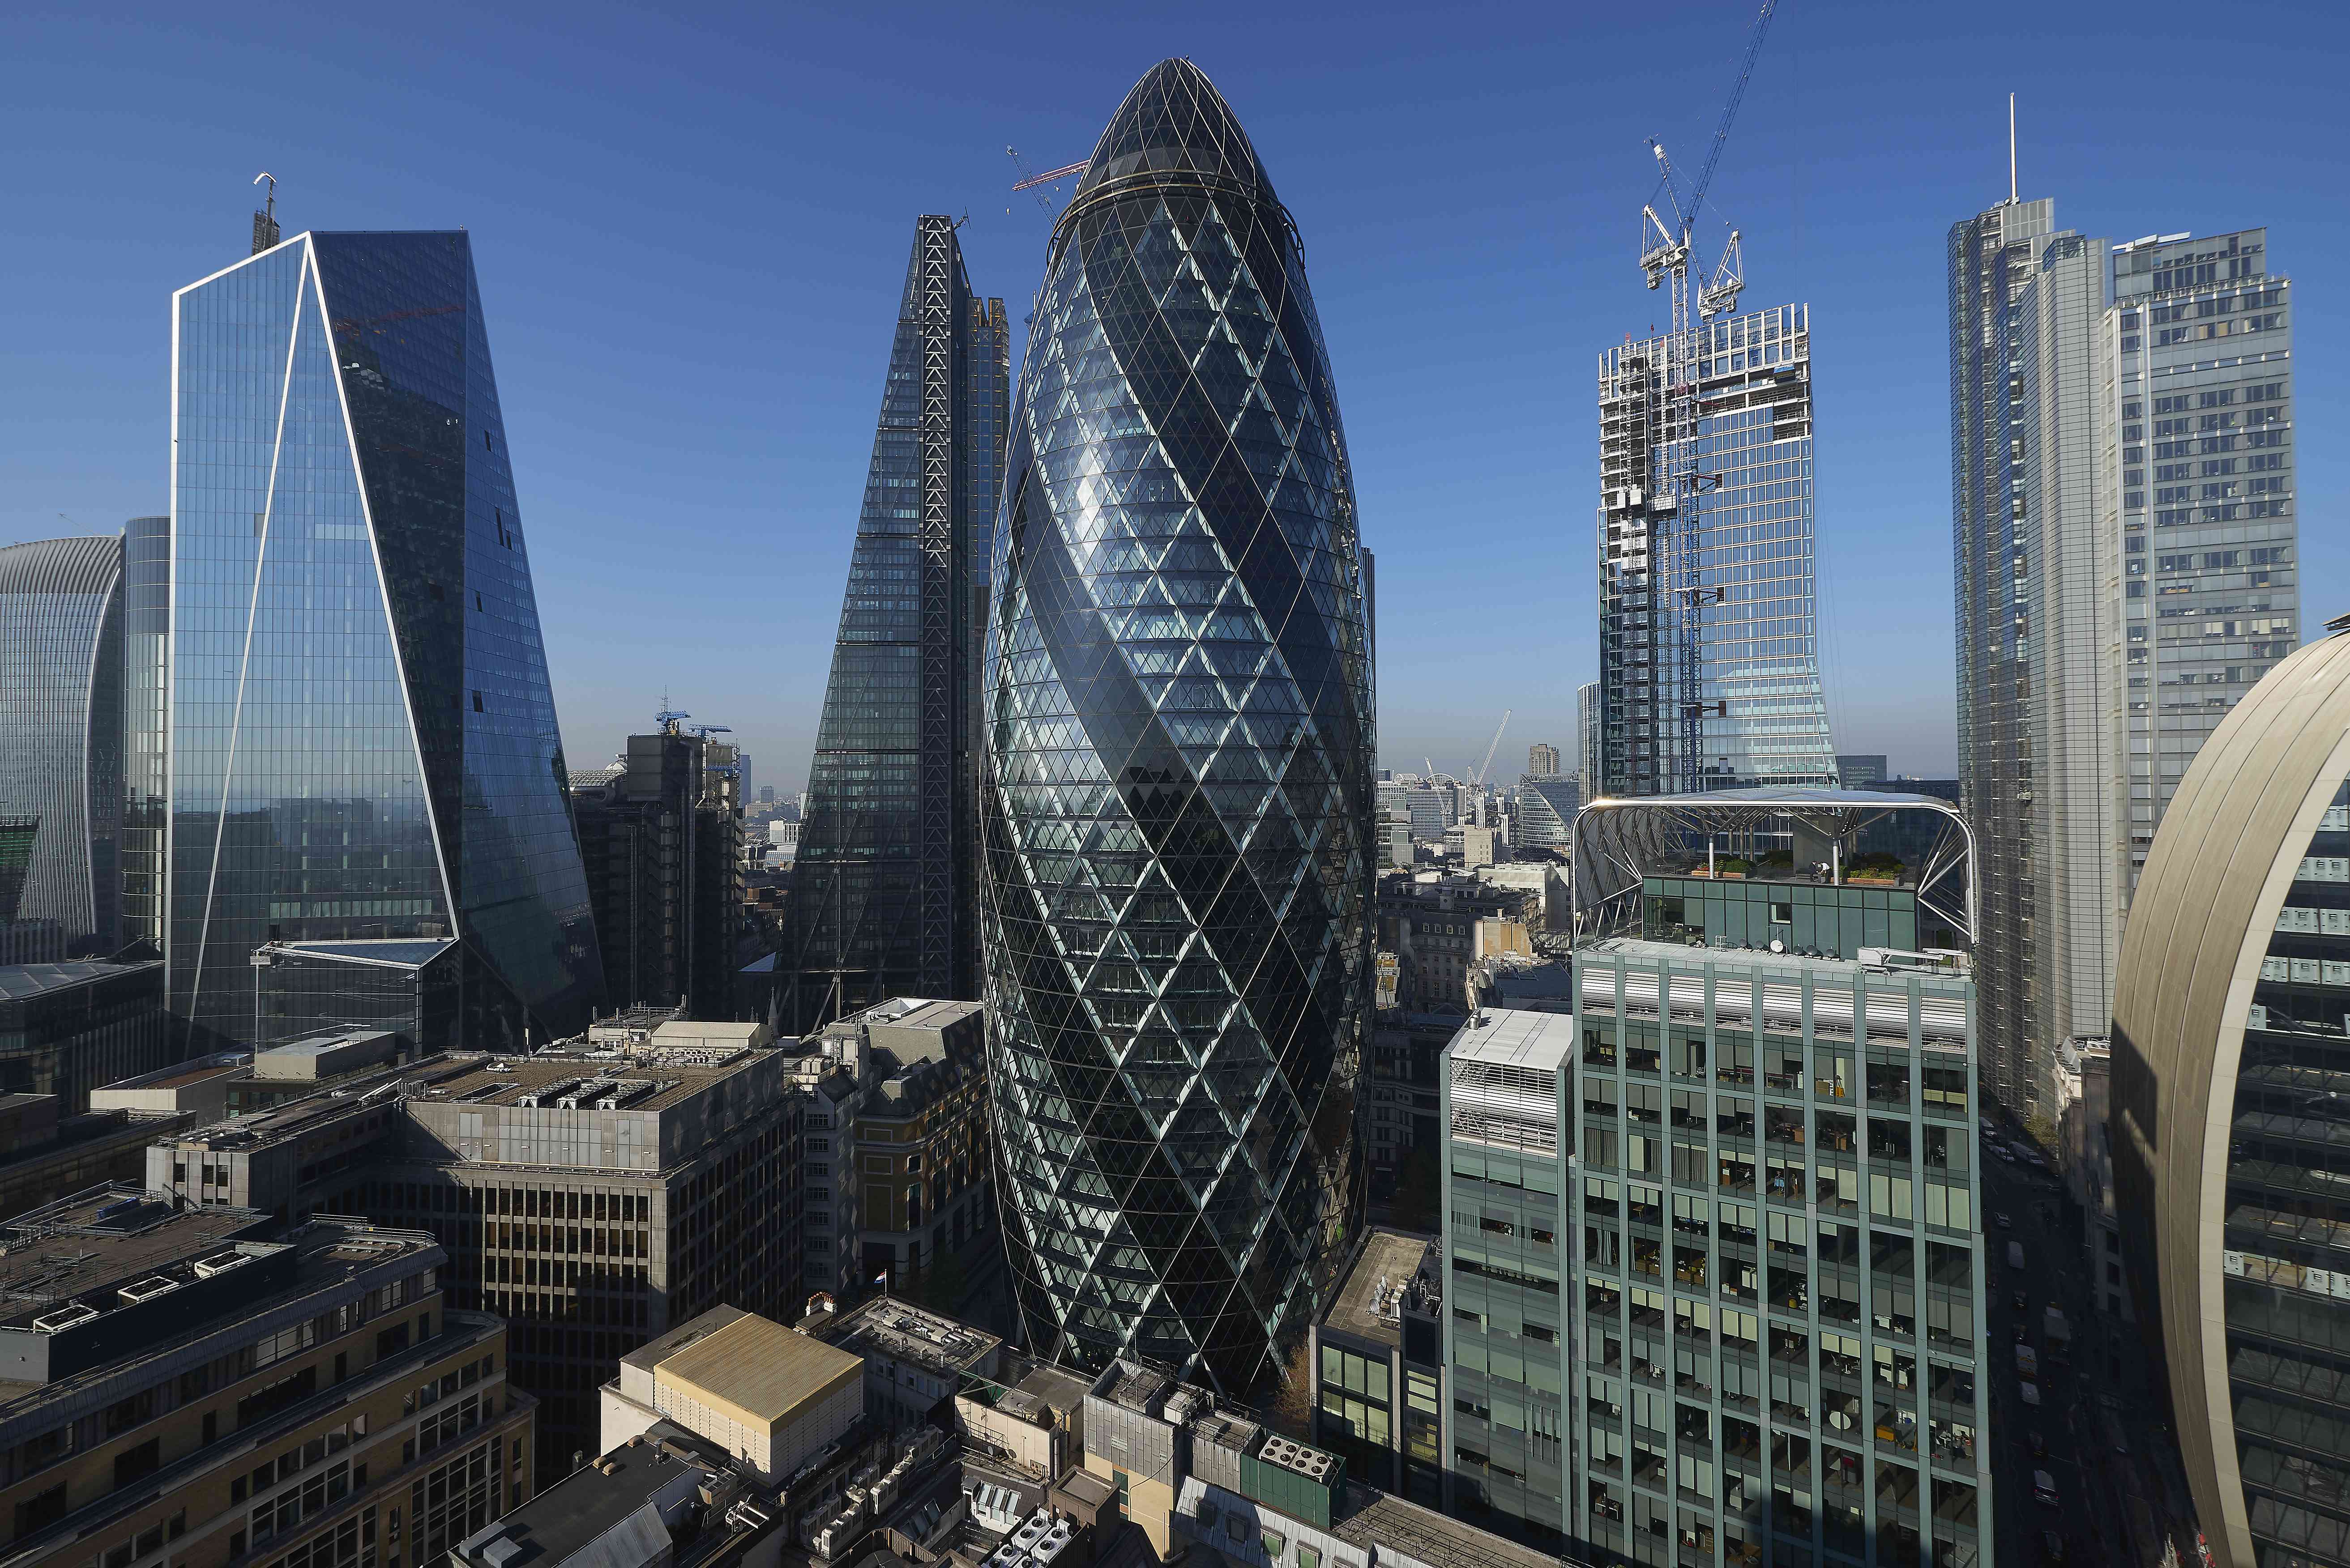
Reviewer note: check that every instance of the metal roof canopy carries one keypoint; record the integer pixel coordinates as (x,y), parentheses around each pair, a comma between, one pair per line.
(1617,842)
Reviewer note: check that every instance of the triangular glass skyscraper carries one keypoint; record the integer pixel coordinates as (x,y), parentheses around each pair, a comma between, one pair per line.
(882,900)
(363,742)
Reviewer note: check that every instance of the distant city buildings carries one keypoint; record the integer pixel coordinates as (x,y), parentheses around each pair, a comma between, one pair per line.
(883,899)
(363,741)
(1709,655)
(1179,821)
(1542,759)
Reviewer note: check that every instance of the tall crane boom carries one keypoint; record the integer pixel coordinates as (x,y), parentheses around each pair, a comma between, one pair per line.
(1492,746)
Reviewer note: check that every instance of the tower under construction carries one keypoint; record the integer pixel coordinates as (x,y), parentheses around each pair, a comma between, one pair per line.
(1710,675)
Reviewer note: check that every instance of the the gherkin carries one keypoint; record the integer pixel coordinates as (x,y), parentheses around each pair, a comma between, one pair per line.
(1178,822)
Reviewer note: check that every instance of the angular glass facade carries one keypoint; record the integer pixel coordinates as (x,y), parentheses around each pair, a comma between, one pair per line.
(61,738)
(883,901)
(363,737)
(1708,651)
(1178,844)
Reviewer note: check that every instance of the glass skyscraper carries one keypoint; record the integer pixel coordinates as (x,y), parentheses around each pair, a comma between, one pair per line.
(1709,654)
(147,724)
(1178,844)
(883,901)
(363,739)
(2124,540)
(61,744)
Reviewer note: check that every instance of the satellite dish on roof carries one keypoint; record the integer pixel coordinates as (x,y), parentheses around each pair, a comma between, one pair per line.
(1777,946)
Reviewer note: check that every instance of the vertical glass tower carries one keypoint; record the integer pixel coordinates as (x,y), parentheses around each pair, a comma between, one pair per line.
(61,742)
(147,723)
(1709,653)
(363,737)
(1177,900)
(883,900)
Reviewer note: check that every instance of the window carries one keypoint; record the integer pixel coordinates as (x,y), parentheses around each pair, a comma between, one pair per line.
(132,1463)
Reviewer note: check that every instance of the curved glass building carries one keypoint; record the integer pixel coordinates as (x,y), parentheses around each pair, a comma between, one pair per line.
(363,741)
(1177,833)
(61,743)
(2230,1071)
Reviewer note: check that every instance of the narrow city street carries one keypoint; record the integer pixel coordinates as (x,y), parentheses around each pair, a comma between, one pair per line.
(2118,1495)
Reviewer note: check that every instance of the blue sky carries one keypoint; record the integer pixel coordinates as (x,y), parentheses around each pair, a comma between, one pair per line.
(691,227)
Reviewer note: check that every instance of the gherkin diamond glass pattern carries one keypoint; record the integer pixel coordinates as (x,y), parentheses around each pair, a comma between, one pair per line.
(1176,837)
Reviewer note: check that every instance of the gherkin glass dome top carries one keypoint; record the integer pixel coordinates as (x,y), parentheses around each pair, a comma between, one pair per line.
(1176,835)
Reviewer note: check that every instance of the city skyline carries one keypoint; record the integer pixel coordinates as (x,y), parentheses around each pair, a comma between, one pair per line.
(771,467)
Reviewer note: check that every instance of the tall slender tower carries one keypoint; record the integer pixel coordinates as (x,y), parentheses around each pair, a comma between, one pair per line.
(1178,823)
(883,901)
(363,741)
(1708,651)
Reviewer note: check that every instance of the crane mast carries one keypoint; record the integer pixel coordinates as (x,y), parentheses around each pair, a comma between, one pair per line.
(1676,589)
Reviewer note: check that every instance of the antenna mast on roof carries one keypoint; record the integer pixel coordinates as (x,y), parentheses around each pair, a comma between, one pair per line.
(265,218)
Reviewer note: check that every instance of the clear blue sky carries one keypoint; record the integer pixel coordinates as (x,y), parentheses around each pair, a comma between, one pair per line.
(691,229)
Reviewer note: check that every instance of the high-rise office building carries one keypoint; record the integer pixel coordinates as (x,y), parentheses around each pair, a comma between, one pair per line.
(1542,759)
(662,842)
(2200,337)
(1588,729)
(1709,653)
(1179,856)
(2071,667)
(883,896)
(61,739)
(1777,1307)
(146,725)
(1546,809)
(2228,1046)
(363,739)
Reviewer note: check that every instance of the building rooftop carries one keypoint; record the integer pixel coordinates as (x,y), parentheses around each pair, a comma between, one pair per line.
(1137,1386)
(1396,1532)
(1790,966)
(893,1327)
(182,1074)
(759,1369)
(1367,1298)
(640,1078)
(100,1238)
(620,1511)
(1544,1042)
(23,982)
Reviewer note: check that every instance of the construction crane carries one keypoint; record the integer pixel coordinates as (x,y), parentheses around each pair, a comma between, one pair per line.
(1670,502)
(1478,778)
(1030,180)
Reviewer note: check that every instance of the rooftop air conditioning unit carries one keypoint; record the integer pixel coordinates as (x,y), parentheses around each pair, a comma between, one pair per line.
(148,1289)
(221,1263)
(64,1318)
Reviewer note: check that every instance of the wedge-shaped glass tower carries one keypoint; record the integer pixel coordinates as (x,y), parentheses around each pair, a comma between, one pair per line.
(363,739)
(1179,827)
(883,900)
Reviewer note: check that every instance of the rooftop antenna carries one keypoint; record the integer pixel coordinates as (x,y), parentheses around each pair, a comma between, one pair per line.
(2010,150)
(265,222)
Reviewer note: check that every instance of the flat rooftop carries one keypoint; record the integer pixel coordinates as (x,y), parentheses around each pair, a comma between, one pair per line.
(1135,1386)
(1390,1259)
(761,1369)
(568,1516)
(103,1237)
(1434,1540)
(659,1076)
(1544,1042)
(886,1325)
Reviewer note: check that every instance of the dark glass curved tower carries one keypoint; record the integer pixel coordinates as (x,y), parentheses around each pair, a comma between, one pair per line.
(1177,826)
